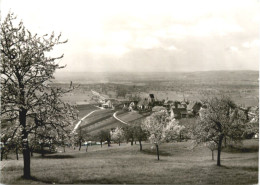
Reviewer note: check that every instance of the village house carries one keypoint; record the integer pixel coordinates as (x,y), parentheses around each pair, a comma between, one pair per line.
(158,109)
(132,106)
(178,110)
(107,104)
(146,103)
(168,104)
(151,99)
(143,104)
(110,103)
(193,108)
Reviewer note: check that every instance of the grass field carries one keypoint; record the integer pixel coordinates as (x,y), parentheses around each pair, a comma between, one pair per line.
(105,124)
(130,116)
(85,109)
(126,164)
(97,116)
(100,120)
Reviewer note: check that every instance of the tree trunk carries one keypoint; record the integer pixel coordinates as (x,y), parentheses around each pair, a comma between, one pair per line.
(26,156)
(87,148)
(16,151)
(157,149)
(64,150)
(101,143)
(219,150)
(212,155)
(132,142)
(135,142)
(141,147)
(25,144)
(2,153)
(119,142)
(31,151)
(42,150)
(79,145)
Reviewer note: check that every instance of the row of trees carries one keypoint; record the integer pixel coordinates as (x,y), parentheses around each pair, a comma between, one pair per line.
(220,121)
(157,128)
(130,133)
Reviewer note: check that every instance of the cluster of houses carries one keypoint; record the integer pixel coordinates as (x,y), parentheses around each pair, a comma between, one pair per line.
(178,109)
(149,103)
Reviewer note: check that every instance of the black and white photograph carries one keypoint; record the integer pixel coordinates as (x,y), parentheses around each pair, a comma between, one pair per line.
(129,91)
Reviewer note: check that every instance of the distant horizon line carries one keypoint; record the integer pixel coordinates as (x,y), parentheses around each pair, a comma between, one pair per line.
(155,71)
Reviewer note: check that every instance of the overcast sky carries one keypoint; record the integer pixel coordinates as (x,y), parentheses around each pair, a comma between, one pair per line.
(135,35)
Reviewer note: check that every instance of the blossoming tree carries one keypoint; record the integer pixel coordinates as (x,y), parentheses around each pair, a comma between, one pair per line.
(26,94)
(161,127)
(117,135)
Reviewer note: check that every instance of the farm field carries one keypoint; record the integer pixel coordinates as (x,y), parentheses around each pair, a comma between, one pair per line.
(100,120)
(103,119)
(97,117)
(126,164)
(130,116)
(85,109)
(105,124)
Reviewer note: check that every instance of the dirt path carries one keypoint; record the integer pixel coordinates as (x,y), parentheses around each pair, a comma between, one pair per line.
(114,115)
(77,125)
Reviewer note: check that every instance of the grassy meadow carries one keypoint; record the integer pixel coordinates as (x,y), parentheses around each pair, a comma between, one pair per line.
(85,109)
(130,116)
(178,164)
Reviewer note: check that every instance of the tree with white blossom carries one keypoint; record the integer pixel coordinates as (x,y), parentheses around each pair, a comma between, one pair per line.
(212,146)
(117,135)
(26,92)
(219,119)
(11,139)
(161,128)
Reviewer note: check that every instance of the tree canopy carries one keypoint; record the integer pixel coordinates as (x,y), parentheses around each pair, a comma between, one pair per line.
(220,118)
(27,98)
(160,128)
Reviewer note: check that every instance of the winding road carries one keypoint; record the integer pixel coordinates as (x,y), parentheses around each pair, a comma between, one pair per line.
(77,125)
(114,115)
(80,121)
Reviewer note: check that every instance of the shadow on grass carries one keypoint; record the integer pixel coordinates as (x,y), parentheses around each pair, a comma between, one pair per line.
(76,181)
(99,181)
(238,149)
(231,168)
(245,168)
(56,156)
(32,178)
(153,152)
(248,168)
